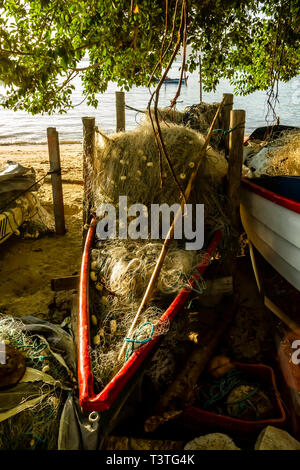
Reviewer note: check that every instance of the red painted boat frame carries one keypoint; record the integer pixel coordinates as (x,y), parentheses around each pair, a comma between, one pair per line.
(89,401)
(271,196)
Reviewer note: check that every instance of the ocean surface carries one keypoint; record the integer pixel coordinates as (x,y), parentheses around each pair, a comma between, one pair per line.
(21,127)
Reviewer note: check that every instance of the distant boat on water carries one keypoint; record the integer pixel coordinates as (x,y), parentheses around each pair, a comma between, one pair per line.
(174,81)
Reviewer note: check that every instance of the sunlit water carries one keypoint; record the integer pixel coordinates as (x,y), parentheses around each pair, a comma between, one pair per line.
(17,127)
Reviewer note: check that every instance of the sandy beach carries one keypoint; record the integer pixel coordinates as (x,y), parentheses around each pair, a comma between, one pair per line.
(25,286)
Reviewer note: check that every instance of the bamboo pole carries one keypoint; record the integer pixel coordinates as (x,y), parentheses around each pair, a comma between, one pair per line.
(170,234)
(120,111)
(88,163)
(225,118)
(57,192)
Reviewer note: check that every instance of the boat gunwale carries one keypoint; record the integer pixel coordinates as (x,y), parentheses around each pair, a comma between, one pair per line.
(271,196)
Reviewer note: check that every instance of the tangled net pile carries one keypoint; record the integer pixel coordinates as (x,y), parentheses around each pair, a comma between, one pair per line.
(197,117)
(115,320)
(128,164)
(123,268)
(279,157)
(283,157)
(37,426)
(127,265)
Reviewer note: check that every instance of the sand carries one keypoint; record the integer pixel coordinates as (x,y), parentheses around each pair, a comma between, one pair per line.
(27,266)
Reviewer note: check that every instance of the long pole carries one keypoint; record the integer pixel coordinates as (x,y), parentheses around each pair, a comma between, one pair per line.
(57,192)
(169,237)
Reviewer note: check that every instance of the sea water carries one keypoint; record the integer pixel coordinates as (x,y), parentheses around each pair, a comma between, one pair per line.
(20,127)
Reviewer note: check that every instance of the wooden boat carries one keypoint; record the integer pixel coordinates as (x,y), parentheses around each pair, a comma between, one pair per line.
(13,216)
(174,81)
(261,133)
(270,213)
(112,394)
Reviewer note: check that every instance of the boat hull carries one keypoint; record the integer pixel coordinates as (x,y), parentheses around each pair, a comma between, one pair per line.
(274,229)
(13,217)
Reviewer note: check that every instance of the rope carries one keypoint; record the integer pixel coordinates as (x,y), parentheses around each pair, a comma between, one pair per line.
(134,109)
(225,132)
(242,408)
(134,340)
(221,389)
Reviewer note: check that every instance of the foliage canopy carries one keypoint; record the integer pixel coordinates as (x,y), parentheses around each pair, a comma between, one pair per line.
(42,43)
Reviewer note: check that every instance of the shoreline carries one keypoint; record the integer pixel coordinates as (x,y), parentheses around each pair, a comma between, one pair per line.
(63,142)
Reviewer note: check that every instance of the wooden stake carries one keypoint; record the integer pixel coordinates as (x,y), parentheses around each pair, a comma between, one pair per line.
(235,163)
(225,118)
(169,237)
(88,160)
(57,192)
(236,146)
(120,111)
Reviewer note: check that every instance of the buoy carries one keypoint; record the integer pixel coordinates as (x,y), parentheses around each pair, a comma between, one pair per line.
(113,326)
(93,276)
(99,287)
(94,254)
(94,265)
(96,340)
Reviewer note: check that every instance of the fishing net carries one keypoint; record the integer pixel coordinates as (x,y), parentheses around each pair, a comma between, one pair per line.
(125,267)
(283,157)
(39,221)
(115,322)
(127,163)
(200,116)
(280,157)
(166,115)
(29,419)
(121,270)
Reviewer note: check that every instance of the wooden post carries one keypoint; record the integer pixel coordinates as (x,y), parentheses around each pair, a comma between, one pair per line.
(120,111)
(200,78)
(88,163)
(235,163)
(225,118)
(236,146)
(57,192)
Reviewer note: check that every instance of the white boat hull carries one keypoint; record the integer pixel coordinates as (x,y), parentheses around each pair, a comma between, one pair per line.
(275,232)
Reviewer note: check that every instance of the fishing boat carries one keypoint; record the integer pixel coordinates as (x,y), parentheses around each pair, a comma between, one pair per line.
(12,217)
(174,81)
(17,202)
(270,213)
(125,379)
